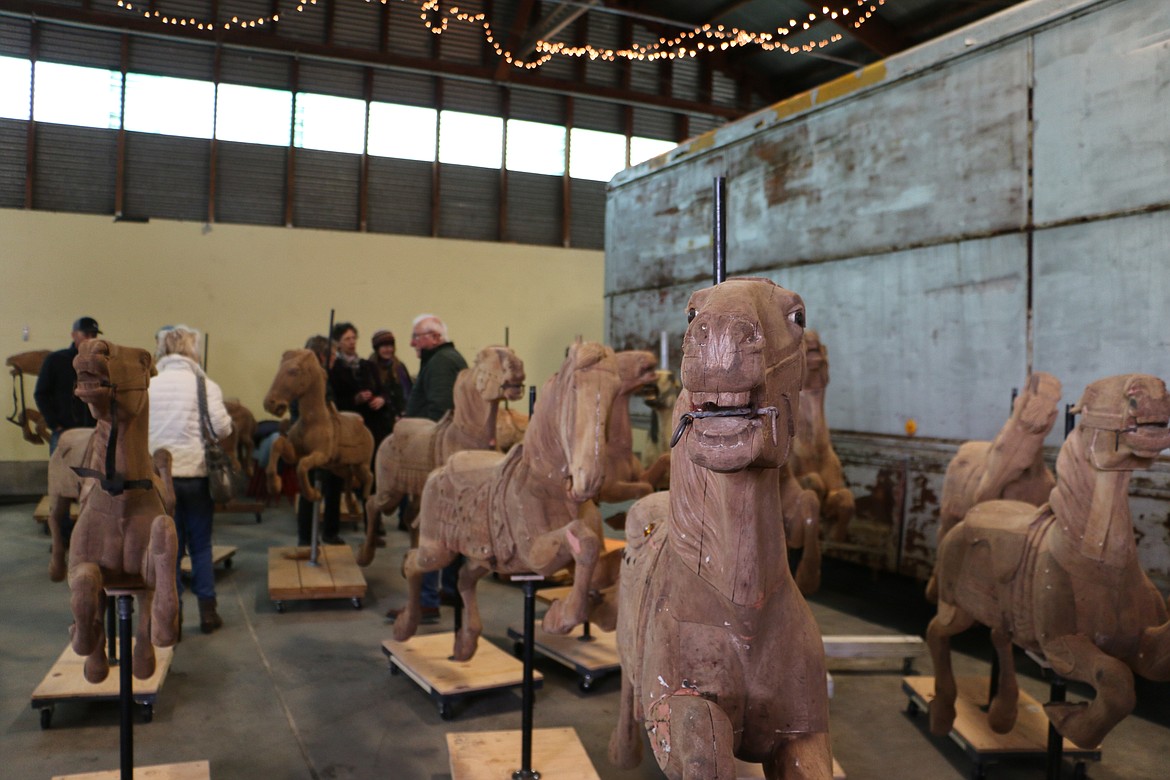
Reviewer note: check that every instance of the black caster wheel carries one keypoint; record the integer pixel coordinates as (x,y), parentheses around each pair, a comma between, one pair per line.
(586,683)
(46,717)
(147,712)
(394,670)
(279,606)
(257,517)
(227,564)
(912,708)
(445,711)
(356,602)
(1080,771)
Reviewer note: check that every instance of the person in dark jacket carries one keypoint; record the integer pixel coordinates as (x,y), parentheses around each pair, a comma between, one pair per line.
(432,396)
(61,409)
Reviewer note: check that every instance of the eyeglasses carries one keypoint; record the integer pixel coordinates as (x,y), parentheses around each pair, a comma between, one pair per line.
(417,336)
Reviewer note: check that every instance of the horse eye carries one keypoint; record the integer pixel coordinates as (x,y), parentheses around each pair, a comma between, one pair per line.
(797,317)
(691,315)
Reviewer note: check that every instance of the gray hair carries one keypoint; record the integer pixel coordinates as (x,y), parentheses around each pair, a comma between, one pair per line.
(437,324)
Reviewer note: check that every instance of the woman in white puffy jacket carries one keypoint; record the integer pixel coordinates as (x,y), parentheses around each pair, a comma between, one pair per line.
(175,426)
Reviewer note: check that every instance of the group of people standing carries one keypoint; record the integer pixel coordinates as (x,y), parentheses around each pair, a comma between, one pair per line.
(378,388)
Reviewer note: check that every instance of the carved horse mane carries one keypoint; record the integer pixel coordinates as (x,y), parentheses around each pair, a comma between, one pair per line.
(520,512)
(418,446)
(124,535)
(707,602)
(1064,580)
(625,478)
(322,437)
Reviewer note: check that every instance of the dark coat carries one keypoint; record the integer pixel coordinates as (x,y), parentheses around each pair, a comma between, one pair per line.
(433,394)
(54,393)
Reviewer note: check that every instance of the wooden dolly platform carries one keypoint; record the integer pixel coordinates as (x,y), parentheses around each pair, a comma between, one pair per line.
(220,553)
(1029,738)
(873,652)
(244,506)
(489,755)
(426,659)
(590,659)
(193,770)
(66,682)
(336,576)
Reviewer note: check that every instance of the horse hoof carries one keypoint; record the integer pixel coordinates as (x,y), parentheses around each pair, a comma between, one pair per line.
(554,621)
(1001,716)
(405,626)
(96,668)
(942,718)
(1069,719)
(143,660)
(465,647)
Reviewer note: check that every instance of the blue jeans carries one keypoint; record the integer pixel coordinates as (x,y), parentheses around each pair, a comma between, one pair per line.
(450,583)
(193,512)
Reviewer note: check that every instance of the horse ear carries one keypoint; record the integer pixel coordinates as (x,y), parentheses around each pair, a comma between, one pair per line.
(147,362)
(288,353)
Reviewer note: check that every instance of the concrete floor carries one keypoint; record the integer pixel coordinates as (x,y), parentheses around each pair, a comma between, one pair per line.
(307,693)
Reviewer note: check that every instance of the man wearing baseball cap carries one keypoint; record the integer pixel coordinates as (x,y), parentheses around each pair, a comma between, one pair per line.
(54,394)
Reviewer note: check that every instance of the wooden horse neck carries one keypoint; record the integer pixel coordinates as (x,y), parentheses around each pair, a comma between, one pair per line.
(811,417)
(311,404)
(729,529)
(132,458)
(1092,506)
(475,418)
(620,434)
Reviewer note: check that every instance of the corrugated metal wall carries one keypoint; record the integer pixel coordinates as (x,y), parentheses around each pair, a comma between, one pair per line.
(76,169)
(955,216)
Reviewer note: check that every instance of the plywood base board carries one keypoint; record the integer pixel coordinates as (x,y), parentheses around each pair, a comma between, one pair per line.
(192,770)
(291,577)
(557,753)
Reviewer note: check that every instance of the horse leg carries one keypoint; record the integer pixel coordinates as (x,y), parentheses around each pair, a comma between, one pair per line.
(304,466)
(467,638)
(625,743)
(158,571)
(692,738)
(549,553)
(1075,657)
(58,517)
(808,571)
(801,757)
(282,449)
(376,506)
(143,664)
(949,621)
(1003,708)
(417,562)
(839,507)
(88,604)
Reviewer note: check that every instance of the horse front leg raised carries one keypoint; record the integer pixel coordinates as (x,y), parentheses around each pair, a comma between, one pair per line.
(304,467)
(552,551)
(282,449)
(58,516)
(949,621)
(427,557)
(158,572)
(144,660)
(1075,657)
(625,743)
(467,638)
(88,603)
(377,505)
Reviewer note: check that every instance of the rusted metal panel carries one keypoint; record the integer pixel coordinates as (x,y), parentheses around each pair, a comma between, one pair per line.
(1102,82)
(863,176)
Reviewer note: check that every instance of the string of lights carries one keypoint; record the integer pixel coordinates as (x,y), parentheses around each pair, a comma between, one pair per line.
(690,43)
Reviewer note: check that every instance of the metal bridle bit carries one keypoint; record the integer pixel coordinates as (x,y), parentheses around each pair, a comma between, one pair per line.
(688,418)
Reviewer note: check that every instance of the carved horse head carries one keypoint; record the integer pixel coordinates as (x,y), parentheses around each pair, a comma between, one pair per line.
(639,372)
(582,392)
(299,372)
(1124,419)
(113,379)
(740,389)
(499,374)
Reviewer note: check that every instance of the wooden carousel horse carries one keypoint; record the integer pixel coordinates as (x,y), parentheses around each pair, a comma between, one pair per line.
(522,512)
(124,536)
(238,444)
(625,479)
(321,437)
(511,426)
(802,529)
(1064,580)
(814,462)
(31,422)
(418,446)
(661,403)
(1012,466)
(721,658)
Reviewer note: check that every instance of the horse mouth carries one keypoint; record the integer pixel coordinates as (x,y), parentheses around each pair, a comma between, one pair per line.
(91,384)
(277,409)
(512,392)
(1147,438)
(723,419)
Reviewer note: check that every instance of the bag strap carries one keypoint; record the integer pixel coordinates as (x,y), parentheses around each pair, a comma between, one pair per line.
(205,429)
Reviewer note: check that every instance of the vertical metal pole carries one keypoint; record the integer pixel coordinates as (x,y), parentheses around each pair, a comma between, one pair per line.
(663,351)
(719,233)
(1055,741)
(531,399)
(525,772)
(126,684)
(1070,420)
(313,543)
(506,334)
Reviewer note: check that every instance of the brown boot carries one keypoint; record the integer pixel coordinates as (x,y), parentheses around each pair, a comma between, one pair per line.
(209,619)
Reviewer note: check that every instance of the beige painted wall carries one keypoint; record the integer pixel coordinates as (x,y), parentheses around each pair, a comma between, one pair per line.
(257,291)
